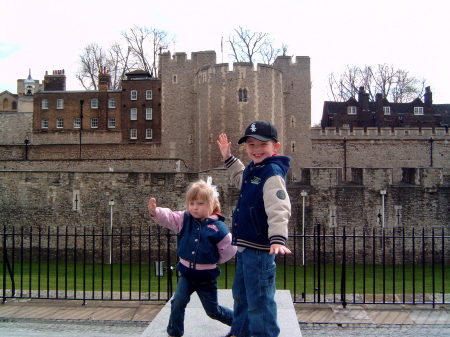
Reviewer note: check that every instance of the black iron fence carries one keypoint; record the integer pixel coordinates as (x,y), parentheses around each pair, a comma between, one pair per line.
(329,265)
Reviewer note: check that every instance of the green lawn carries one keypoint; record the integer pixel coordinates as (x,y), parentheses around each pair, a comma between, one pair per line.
(117,277)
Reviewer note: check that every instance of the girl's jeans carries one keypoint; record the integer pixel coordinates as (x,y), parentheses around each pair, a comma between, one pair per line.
(207,292)
(255,310)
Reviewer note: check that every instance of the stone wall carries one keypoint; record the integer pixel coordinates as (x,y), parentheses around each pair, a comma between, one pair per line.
(15,127)
(95,165)
(86,151)
(381,148)
(80,201)
(46,197)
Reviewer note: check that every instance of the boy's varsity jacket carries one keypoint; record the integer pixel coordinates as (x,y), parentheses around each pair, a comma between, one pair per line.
(263,209)
(201,244)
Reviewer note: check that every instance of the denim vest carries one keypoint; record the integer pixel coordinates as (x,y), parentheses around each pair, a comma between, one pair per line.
(197,240)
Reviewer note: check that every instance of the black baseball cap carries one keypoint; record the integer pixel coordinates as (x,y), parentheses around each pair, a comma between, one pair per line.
(261,130)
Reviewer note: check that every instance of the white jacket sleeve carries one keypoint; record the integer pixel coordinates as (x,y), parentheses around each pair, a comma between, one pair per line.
(278,209)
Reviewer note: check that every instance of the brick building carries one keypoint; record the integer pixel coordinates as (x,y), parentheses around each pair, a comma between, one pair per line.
(382,113)
(128,115)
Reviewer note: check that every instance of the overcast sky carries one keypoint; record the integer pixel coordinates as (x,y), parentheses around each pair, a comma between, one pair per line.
(409,34)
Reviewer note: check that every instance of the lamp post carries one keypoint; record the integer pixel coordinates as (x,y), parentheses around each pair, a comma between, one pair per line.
(303,194)
(111,205)
(383,194)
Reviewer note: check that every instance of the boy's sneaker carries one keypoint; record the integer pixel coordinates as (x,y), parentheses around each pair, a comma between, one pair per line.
(229,335)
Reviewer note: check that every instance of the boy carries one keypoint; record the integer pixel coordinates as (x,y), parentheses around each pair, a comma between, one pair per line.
(259,229)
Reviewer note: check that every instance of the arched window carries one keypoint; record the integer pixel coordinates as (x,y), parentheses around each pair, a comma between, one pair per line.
(5,104)
(243,95)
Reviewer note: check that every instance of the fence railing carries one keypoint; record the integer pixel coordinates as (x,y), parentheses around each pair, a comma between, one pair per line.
(328,265)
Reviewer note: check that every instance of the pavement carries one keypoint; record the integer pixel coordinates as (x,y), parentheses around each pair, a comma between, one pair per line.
(142,313)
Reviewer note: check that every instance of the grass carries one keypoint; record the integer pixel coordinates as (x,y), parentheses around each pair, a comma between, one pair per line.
(129,278)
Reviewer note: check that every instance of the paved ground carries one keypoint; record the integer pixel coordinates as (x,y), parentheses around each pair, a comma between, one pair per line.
(115,318)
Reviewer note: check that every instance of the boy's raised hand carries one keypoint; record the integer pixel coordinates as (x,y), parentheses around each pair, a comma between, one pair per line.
(279,249)
(152,206)
(224,146)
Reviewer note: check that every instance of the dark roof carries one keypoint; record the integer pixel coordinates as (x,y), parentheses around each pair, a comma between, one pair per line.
(138,74)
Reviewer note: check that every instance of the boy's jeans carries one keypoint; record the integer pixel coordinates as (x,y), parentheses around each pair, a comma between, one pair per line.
(207,292)
(255,310)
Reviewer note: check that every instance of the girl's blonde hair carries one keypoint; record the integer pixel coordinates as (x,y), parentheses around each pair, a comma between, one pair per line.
(201,190)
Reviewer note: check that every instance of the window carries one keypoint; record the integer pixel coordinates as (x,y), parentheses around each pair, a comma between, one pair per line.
(148,133)
(351,110)
(44,123)
(77,123)
(94,103)
(133,95)
(44,104)
(111,103)
(59,103)
(174,79)
(387,110)
(418,110)
(243,95)
(59,123)
(148,114)
(133,133)
(111,122)
(133,114)
(94,123)
(148,94)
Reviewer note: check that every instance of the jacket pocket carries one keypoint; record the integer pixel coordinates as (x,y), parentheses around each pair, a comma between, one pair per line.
(257,225)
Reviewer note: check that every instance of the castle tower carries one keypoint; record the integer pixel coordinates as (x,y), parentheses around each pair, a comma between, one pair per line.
(297,110)
(202,99)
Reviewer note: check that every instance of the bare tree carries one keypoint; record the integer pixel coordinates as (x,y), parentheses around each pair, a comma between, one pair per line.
(118,64)
(145,45)
(92,60)
(394,84)
(248,46)
(140,51)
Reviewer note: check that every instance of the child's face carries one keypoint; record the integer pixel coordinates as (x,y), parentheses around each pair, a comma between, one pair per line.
(200,209)
(258,150)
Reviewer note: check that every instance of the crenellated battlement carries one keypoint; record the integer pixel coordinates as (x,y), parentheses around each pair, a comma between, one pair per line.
(379,133)
(204,60)
(376,178)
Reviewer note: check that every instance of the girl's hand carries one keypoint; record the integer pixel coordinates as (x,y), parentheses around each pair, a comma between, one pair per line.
(152,206)
(224,146)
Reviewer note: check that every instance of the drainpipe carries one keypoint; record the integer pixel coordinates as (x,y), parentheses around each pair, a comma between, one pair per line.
(431,151)
(345,159)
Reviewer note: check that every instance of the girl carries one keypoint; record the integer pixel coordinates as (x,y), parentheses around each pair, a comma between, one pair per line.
(203,241)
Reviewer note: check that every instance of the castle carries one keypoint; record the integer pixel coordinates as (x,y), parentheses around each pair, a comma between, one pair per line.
(192,101)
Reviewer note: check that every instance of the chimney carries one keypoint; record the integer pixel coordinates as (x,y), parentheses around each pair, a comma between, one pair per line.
(56,81)
(428,97)
(363,99)
(104,79)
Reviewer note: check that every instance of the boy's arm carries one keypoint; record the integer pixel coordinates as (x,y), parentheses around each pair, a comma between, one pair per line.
(226,250)
(278,210)
(235,169)
(233,165)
